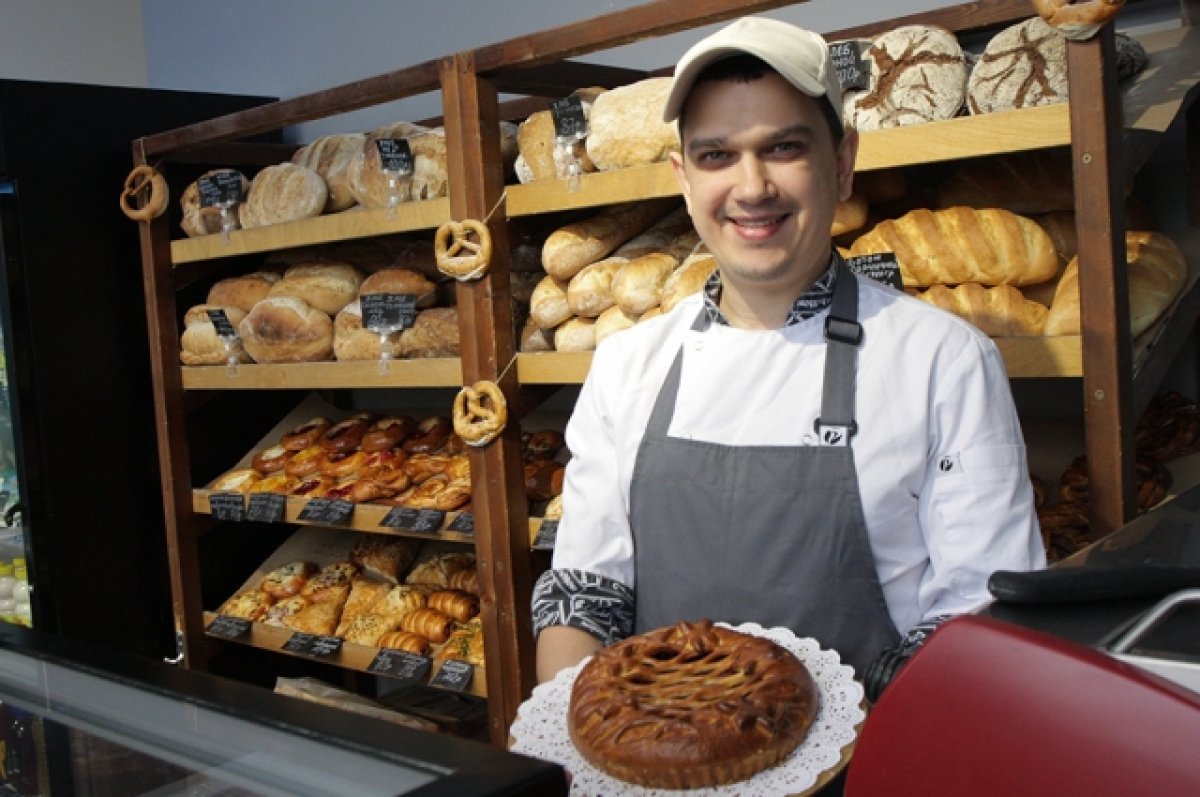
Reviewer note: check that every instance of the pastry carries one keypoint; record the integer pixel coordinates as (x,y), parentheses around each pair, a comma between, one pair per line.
(287,580)
(364,595)
(429,436)
(465,644)
(690,706)
(332,581)
(250,605)
(383,556)
(404,640)
(429,623)
(437,569)
(459,604)
(306,434)
(239,480)
(344,436)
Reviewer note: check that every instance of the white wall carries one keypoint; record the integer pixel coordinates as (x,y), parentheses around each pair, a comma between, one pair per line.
(73,41)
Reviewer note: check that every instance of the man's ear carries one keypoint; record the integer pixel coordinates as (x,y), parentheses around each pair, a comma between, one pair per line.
(847,155)
(681,175)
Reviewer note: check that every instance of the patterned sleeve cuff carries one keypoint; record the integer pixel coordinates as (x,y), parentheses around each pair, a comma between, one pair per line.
(587,601)
(920,632)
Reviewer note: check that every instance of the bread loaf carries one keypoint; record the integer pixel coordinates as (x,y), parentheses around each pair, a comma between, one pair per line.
(575,245)
(625,127)
(575,334)
(326,285)
(353,341)
(638,285)
(689,278)
(198,220)
(548,306)
(1000,311)
(283,329)
(850,215)
(200,345)
(612,321)
(535,339)
(1157,272)
(539,158)
(401,281)
(280,193)
(243,291)
(332,157)
(955,245)
(589,293)
(1022,66)
(434,333)
(918,74)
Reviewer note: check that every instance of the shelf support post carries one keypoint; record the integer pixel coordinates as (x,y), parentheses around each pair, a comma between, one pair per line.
(476,179)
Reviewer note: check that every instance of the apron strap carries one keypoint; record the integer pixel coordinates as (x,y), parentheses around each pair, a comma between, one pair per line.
(843,335)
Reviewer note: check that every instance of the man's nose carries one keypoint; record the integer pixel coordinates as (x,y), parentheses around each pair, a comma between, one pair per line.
(753,180)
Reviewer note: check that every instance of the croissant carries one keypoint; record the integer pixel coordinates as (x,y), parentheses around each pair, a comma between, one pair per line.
(429,623)
(467,580)
(460,605)
(1002,311)
(404,640)
(960,244)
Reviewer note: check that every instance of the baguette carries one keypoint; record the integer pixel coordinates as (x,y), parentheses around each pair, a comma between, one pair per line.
(991,246)
(1001,311)
(1157,273)
(573,246)
(689,278)
(548,305)
(612,321)
(589,293)
(575,334)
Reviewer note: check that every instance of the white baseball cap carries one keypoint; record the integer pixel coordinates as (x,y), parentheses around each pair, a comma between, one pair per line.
(800,56)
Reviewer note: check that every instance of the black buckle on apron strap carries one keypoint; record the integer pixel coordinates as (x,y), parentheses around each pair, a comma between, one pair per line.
(834,434)
(843,330)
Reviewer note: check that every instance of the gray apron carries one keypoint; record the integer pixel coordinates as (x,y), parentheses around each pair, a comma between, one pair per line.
(767,534)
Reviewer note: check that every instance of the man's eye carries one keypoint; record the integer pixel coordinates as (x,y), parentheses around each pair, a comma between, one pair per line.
(711,158)
(788,148)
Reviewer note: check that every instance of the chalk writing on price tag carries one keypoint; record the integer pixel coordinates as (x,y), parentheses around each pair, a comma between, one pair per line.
(463,524)
(408,519)
(266,507)
(395,155)
(401,664)
(229,627)
(454,675)
(569,120)
(227,506)
(388,312)
(881,267)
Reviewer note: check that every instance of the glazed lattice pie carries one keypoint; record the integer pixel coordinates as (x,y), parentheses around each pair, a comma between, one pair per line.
(690,706)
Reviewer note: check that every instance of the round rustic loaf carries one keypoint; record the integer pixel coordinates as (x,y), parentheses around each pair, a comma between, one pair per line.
(625,127)
(353,341)
(284,329)
(1022,66)
(326,285)
(198,220)
(243,291)
(331,157)
(200,345)
(918,74)
(283,192)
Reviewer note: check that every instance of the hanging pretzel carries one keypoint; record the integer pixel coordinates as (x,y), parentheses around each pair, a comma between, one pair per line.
(1077,20)
(156,202)
(480,413)
(460,255)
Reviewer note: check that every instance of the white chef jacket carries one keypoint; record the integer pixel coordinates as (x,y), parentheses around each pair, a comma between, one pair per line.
(940,457)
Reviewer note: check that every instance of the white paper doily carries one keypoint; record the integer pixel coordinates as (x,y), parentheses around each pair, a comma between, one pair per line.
(540,729)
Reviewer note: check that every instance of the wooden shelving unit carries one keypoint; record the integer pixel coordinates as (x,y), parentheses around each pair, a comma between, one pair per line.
(1111,136)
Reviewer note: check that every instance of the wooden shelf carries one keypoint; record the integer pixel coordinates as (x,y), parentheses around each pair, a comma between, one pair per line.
(350,656)
(431,372)
(348,225)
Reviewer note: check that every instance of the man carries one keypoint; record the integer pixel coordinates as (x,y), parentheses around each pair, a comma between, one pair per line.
(796,445)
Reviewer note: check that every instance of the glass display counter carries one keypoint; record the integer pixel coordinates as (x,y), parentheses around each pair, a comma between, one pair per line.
(75,721)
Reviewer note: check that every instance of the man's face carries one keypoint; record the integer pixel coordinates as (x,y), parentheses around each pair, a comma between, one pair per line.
(761,178)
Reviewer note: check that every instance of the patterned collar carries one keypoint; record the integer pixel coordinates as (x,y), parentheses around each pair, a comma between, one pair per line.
(818,296)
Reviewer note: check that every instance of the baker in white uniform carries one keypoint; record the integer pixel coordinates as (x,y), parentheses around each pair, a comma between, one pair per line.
(796,445)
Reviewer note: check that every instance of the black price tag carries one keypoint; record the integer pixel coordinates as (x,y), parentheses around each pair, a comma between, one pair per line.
(227,506)
(229,627)
(222,188)
(407,519)
(395,155)
(327,510)
(852,66)
(881,267)
(266,507)
(546,535)
(402,665)
(316,645)
(388,312)
(454,675)
(221,323)
(569,121)
(464,523)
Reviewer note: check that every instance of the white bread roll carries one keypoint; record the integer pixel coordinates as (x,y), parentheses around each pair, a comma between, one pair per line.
(284,329)
(243,291)
(1000,311)
(575,334)
(331,157)
(548,306)
(326,285)
(947,247)
(281,193)
(1157,273)
(625,127)
(200,345)
(612,321)
(197,220)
